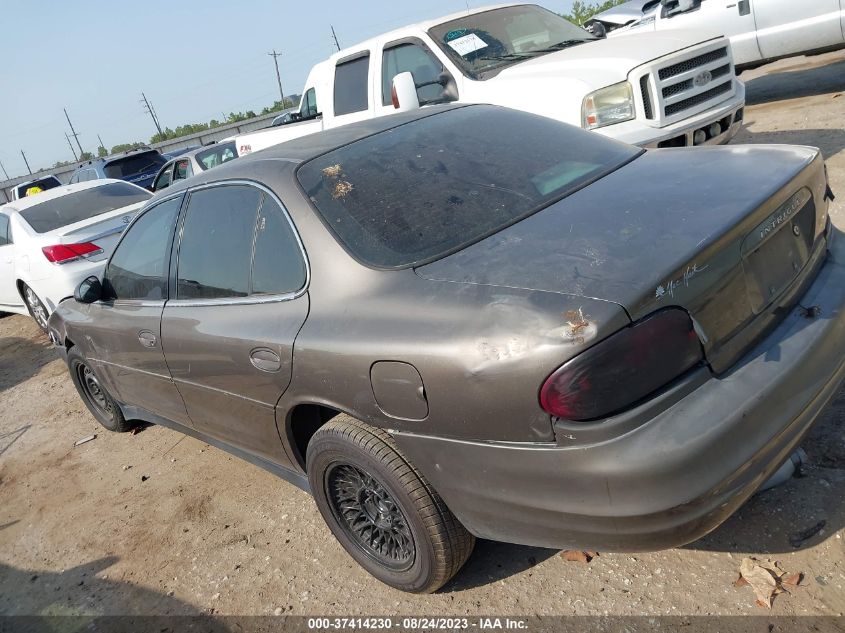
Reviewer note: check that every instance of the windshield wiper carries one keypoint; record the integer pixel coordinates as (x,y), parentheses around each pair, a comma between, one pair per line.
(508,56)
(560,45)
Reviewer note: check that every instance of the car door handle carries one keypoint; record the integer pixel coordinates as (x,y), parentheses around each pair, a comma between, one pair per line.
(147,338)
(265,359)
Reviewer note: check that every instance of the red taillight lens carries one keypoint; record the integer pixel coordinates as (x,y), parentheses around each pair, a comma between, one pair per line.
(61,253)
(622,370)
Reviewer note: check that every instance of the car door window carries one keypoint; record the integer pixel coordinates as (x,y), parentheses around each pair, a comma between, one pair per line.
(350,86)
(278,266)
(5,233)
(215,254)
(308,107)
(412,58)
(164,179)
(181,170)
(139,267)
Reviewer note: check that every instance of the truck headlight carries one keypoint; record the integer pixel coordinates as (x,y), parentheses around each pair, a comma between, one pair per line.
(607,106)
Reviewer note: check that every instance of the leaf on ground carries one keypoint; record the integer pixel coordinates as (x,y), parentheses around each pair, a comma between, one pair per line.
(766,578)
(578,556)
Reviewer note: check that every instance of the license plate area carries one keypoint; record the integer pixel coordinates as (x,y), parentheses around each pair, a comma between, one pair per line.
(776,252)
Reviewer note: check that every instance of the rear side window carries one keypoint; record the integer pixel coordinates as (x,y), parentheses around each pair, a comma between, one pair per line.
(44,184)
(5,237)
(134,164)
(419,191)
(217,236)
(138,268)
(82,205)
(278,267)
(217,155)
(350,86)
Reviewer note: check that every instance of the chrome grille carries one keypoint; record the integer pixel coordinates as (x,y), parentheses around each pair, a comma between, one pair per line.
(691,64)
(649,111)
(701,97)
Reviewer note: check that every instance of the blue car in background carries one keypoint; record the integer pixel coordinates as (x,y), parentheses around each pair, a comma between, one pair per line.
(138,166)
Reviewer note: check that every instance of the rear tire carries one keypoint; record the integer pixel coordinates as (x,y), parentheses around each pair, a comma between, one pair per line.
(382,510)
(36,308)
(99,402)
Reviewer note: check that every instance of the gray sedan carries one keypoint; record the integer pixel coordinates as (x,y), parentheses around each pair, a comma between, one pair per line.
(475,322)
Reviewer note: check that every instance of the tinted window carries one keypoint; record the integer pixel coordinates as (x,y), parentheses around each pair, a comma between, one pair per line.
(82,205)
(43,184)
(350,86)
(308,107)
(4,230)
(217,155)
(416,192)
(134,164)
(138,268)
(278,267)
(216,250)
(417,61)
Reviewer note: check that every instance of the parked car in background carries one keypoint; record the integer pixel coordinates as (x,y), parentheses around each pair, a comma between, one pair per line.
(194,162)
(180,152)
(44,183)
(528,58)
(760,31)
(138,166)
(288,116)
(472,321)
(619,16)
(52,241)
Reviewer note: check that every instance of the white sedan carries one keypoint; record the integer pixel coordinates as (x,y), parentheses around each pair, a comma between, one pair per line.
(53,240)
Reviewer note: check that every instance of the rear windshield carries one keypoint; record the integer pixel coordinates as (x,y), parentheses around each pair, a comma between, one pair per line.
(75,207)
(217,155)
(37,186)
(134,164)
(420,191)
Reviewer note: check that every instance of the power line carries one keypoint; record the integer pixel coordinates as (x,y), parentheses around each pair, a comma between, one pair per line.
(27,163)
(74,135)
(334,35)
(71,147)
(275,57)
(149,109)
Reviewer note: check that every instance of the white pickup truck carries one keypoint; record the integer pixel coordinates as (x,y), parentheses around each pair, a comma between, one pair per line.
(760,30)
(665,90)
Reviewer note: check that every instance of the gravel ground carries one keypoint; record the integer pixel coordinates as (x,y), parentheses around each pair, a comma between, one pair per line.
(158,523)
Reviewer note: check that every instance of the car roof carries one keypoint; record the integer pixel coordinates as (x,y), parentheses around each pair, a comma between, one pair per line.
(57,192)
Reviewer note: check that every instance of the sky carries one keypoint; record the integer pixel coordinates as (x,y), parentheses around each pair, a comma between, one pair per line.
(194,59)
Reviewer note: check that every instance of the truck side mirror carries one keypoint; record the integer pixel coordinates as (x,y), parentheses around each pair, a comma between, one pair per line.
(89,290)
(597,28)
(403,93)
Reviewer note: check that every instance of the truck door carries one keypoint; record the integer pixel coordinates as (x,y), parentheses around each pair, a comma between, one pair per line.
(789,27)
(731,18)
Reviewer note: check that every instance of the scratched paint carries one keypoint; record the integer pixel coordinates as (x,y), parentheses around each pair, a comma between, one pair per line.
(684,280)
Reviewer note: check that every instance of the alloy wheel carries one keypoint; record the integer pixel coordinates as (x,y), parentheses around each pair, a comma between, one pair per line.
(39,312)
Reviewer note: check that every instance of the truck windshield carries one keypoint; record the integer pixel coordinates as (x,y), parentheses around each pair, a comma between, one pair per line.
(482,42)
(420,191)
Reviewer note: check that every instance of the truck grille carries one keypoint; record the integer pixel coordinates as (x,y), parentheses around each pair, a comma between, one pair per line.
(686,83)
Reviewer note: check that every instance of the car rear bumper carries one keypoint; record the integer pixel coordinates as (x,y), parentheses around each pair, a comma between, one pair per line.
(674,478)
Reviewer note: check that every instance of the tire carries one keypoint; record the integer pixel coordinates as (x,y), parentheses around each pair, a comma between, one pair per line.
(101,405)
(37,309)
(382,510)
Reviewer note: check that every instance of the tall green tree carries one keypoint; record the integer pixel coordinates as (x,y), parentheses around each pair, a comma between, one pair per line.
(102,152)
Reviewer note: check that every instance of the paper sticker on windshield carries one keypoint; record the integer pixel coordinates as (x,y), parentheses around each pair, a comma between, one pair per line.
(467,44)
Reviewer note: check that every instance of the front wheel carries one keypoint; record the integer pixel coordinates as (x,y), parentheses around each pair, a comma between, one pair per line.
(101,405)
(383,512)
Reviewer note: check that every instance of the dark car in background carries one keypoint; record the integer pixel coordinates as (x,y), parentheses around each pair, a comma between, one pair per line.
(138,166)
(193,162)
(468,321)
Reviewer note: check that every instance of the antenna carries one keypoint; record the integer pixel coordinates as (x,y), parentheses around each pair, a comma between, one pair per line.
(334,35)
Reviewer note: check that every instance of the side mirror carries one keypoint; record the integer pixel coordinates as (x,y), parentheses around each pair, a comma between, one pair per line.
(598,29)
(89,290)
(404,93)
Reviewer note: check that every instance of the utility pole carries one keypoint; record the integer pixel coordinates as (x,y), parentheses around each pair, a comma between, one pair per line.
(149,109)
(101,141)
(27,163)
(4,171)
(334,35)
(75,157)
(74,135)
(275,57)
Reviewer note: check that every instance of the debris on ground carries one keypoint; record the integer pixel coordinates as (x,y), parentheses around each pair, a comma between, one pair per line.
(85,439)
(144,477)
(767,579)
(578,556)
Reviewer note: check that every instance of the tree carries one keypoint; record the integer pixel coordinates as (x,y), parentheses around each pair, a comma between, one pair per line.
(86,156)
(583,11)
(102,152)
(123,147)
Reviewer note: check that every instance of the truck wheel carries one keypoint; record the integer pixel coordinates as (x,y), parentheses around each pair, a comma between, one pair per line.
(101,405)
(383,512)
(36,307)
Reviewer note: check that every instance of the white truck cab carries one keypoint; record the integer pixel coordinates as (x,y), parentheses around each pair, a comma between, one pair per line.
(664,90)
(760,30)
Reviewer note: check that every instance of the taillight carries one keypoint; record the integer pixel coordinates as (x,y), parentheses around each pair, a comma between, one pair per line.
(63,253)
(624,369)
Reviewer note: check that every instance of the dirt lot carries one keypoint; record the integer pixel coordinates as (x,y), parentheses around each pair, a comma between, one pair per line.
(160,523)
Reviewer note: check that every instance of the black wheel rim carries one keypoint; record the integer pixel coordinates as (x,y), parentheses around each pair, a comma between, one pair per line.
(94,392)
(36,308)
(370,516)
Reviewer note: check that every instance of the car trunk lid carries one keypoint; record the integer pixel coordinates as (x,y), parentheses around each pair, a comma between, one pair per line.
(729,234)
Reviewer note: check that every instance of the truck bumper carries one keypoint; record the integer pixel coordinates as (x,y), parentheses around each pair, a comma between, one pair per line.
(728,115)
(676,477)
